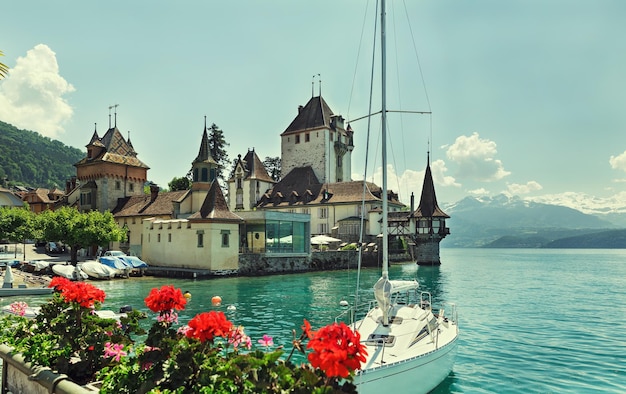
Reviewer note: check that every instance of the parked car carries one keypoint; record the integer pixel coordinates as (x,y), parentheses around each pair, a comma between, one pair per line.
(54,247)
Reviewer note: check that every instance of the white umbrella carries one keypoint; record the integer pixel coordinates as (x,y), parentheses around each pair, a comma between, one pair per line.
(323,238)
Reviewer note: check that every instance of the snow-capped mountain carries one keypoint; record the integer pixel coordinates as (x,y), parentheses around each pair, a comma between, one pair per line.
(480,221)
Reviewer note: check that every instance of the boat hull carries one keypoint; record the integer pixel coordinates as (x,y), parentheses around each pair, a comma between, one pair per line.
(420,374)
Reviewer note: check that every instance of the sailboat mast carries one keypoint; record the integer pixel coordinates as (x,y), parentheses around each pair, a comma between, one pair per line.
(383,52)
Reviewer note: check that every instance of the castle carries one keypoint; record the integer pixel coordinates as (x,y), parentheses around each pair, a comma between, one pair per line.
(200,229)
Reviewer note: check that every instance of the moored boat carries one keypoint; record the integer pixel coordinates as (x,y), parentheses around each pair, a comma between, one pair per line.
(409,347)
(97,270)
(118,259)
(70,272)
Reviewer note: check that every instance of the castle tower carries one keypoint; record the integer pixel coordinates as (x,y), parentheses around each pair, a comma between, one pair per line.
(204,167)
(430,223)
(110,171)
(318,138)
(249,182)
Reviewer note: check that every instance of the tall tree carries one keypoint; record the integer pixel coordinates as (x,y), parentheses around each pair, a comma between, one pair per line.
(273,167)
(80,230)
(217,146)
(182,183)
(17,225)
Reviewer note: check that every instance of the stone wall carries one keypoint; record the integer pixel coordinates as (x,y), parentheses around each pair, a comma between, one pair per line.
(252,264)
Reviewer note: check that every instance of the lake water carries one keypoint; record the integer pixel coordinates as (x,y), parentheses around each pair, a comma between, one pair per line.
(531,321)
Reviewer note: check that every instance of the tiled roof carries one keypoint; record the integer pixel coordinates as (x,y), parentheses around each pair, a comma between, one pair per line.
(253,168)
(316,113)
(116,150)
(143,206)
(301,187)
(214,207)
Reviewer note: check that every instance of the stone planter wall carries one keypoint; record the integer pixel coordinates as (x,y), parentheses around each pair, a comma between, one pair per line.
(20,377)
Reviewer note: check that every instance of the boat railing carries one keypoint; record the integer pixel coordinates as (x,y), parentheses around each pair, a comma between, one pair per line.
(355,313)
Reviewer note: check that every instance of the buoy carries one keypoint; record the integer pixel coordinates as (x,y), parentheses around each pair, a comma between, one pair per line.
(187,295)
(343,303)
(231,308)
(216,300)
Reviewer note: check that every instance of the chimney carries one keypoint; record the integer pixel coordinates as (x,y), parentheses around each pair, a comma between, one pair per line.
(154,191)
(412,203)
(300,108)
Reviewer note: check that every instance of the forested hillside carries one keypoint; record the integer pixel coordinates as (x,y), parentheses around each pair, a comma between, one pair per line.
(29,159)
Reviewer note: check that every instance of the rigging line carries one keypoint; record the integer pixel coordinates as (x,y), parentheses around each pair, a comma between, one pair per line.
(395,42)
(367,144)
(356,64)
(419,64)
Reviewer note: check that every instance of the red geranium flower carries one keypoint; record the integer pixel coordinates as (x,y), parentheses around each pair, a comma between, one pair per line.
(165,299)
(337,350)
(208,325)
(306,328)
(58,282)
(82,293)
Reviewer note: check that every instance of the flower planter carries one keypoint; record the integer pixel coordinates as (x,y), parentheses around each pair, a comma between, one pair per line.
(19,376)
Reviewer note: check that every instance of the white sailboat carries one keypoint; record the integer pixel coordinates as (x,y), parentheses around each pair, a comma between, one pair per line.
(410,347)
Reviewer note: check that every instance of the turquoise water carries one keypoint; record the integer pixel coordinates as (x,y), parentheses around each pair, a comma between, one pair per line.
(532,321)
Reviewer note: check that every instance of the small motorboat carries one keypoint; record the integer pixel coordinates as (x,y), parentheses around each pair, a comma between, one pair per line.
(70,272)
(136,265)
(97,270)
(122,269)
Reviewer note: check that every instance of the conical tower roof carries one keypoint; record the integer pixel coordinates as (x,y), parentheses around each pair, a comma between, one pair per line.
(428,201)
(204,155)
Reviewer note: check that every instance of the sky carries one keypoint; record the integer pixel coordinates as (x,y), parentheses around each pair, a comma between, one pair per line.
(526,97)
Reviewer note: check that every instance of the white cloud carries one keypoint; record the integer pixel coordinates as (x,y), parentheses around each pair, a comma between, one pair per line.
(479,192)
(517,189)
(31,97)
(618,162)
(439,169)
(411,181)
(475,158)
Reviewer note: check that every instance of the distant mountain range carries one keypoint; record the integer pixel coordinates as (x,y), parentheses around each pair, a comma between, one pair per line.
(513,222)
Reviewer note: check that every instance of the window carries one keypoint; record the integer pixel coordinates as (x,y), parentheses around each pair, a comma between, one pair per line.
(323,212)
(118,185)
(297,138)
(131,187)
(307,137)
(169,237)
(225,238)
(205,175)
(332,136)
(239,183)
(200,234)
(158,237)
(306,210)
(322,227)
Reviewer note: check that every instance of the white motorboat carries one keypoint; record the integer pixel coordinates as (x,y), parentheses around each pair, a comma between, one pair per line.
(70,272)
(97,270)
(410,348)
(127,265)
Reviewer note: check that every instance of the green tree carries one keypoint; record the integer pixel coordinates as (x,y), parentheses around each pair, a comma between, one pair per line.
(182,183)
(217,147)
(273,168)
(4,69)
(80,230)
(17,225)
